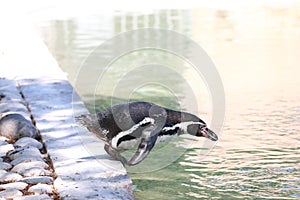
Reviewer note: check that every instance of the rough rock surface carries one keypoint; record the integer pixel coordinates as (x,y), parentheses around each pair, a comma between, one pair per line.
(19,170)
(14,185)
(40,188)
(9,193)
(27,141)
(15,126)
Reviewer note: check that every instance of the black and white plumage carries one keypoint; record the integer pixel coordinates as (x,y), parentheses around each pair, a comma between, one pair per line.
(123,126)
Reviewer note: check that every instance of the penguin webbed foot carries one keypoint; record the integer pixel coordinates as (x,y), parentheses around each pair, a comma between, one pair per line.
(115,155)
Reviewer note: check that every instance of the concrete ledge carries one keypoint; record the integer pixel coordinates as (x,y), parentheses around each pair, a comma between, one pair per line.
(82,166)
(80,173)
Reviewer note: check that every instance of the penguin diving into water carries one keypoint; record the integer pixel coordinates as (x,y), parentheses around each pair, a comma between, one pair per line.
(123,126)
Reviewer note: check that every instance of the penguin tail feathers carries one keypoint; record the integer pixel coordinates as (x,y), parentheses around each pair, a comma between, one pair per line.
(91,122)
(86,120)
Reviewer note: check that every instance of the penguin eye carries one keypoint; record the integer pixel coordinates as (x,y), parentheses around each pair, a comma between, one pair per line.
(198,129)
(202,131)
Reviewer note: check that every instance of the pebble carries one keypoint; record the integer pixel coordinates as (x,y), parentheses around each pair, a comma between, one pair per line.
(5,148)
(27,141)
(3,139)
(27,165)
(40,189)
(15,185)
(15,126)
(2,172)
(26,159)
(3,142)
(10,177)
(10,193)
(24,151)
(5,166)
(35,171)
(34,197)
(37,179)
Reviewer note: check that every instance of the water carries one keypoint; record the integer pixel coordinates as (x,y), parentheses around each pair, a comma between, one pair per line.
(256,50)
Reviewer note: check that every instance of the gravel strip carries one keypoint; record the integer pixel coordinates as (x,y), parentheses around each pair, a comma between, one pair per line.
(25,171)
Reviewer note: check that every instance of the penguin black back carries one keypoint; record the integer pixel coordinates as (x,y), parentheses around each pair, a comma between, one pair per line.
(122,117)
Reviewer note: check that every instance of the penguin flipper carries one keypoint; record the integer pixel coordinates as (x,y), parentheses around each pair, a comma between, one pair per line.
(148,140)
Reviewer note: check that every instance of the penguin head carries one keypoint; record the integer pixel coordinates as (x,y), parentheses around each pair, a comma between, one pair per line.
(197,127)
(201,130)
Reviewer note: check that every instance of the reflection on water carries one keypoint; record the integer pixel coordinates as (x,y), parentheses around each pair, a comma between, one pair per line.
(256,50)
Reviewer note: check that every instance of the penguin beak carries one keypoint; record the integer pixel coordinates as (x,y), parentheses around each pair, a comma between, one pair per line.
(206,132)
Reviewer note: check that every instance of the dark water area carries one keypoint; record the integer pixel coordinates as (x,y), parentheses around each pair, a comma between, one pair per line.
(256,51)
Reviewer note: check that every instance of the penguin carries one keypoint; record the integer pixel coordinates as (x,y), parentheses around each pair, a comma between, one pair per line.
(123,126)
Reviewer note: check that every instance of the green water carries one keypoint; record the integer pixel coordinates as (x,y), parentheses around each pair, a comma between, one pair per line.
(256,51)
